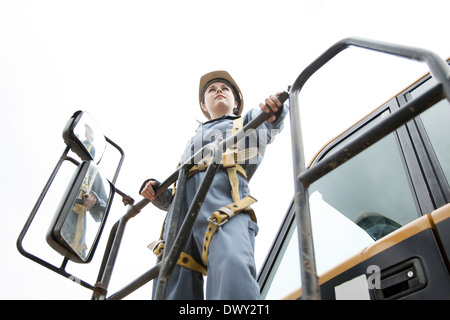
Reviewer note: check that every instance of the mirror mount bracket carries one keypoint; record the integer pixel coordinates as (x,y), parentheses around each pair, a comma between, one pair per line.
(126,199)
(100,290)
(19,243)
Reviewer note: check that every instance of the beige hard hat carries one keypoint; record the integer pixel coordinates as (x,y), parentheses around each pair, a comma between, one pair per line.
(219,75)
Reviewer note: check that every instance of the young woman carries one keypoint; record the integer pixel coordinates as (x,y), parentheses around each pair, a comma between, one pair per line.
(226,251)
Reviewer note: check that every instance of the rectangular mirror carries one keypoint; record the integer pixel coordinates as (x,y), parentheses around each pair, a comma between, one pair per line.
(84,137)
(81,214)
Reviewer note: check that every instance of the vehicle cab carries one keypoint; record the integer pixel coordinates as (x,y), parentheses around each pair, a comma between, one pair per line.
(380,221)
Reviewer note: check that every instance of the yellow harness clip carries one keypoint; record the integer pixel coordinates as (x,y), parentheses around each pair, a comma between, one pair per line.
(221,216)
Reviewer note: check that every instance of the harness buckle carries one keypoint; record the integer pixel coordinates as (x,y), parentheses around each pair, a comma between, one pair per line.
(214,221)
(157,247)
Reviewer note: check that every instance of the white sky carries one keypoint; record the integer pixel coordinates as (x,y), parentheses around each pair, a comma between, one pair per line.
(135,66)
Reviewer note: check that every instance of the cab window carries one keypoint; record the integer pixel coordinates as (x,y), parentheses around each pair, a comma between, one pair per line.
(359,202)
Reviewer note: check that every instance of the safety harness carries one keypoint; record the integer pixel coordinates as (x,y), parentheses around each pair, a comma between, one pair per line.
(230,161)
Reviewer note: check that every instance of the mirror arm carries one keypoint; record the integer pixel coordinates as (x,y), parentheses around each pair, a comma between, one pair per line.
(122,156)
(39,202)
(19,243)
(126,199)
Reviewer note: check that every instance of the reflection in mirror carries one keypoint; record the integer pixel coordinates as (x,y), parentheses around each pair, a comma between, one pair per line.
(88,208)
(84,137)
(81,215)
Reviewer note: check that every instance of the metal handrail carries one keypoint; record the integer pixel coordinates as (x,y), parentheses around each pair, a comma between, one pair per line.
(303,178)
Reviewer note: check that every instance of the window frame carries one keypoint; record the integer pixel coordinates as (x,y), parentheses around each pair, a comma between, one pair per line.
(437,182)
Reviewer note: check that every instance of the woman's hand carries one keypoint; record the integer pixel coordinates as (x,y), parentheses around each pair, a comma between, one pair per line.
(89,200)
(148,191)
(271,104)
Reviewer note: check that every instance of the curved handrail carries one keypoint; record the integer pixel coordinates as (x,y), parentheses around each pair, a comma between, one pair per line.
(440,70)
(437,66)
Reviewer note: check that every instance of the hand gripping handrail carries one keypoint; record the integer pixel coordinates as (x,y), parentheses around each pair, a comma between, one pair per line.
(303,178)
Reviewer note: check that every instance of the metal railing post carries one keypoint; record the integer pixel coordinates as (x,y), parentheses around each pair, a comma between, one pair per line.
(169,262)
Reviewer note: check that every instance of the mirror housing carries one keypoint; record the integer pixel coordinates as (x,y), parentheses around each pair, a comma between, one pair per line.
(81,215)
(84,137)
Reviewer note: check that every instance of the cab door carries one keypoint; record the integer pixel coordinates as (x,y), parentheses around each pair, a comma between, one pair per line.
(431,132)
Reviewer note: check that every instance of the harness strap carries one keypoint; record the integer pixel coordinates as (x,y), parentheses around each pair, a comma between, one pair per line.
(77,243)
(206,162)
(234,182)
(185,260)
(189,262)
(230,162)
(221,216)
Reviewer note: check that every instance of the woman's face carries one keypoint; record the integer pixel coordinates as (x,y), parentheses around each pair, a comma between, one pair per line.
(219,100)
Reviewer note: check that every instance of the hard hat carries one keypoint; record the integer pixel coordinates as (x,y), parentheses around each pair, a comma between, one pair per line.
(219,75)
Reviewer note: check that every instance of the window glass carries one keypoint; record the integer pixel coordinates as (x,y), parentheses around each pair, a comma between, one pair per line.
(371,188)
(285,275)
(359,202)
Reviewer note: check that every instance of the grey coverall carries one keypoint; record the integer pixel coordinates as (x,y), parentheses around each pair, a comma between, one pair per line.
(231,265)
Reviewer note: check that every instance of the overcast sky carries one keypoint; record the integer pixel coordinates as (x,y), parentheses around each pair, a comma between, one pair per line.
(135,67)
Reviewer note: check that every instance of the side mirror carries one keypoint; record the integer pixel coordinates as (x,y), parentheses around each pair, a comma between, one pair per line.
(81,214)
(84,137)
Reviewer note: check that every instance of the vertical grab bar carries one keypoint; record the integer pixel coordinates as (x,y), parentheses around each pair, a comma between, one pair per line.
(169,262)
